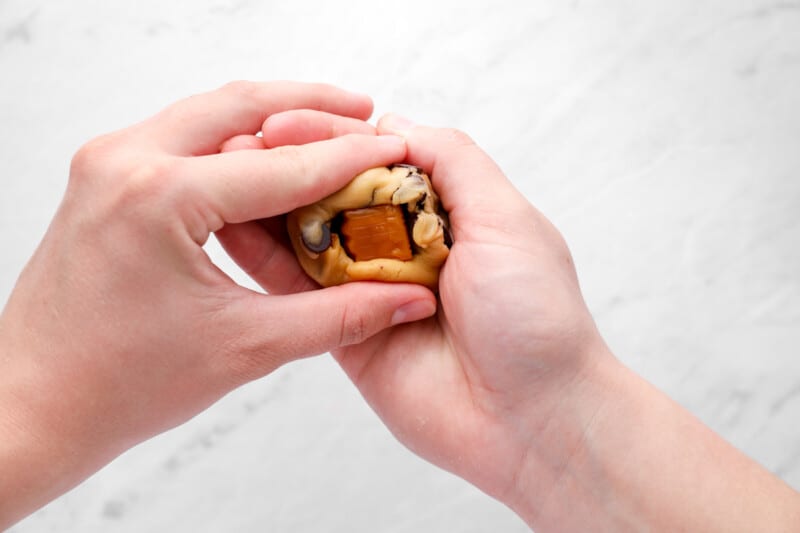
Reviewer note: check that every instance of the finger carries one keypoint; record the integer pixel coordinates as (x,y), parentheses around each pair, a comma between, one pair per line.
(261,248)
(253,184)
(278,329)
(304,126)
(265,257)
(466,178)
(198,125)
(242,142)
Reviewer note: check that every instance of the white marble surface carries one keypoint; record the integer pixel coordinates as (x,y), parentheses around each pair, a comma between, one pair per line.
(663,138)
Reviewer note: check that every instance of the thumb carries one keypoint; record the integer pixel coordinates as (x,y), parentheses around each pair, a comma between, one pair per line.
(466,178)
(277,329)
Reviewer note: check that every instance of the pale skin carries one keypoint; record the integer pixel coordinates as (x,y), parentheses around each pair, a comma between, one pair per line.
(120,326)
(509,386)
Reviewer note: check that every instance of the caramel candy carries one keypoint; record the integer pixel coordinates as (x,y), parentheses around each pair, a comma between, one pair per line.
(385,225)
(376,233)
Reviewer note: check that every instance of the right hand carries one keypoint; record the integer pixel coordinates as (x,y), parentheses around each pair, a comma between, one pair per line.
(478,388)
(511,387)
(483,388)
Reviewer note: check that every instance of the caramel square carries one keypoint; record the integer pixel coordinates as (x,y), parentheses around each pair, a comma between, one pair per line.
(376,233)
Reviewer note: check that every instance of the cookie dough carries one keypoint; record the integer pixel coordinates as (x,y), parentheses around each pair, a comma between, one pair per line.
(385,225)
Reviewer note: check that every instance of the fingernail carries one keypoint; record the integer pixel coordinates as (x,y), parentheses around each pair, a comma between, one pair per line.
(396,123)
(416,310)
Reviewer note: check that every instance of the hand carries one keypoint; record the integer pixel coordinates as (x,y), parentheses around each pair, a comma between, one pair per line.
(121,327)
(474,385)
(511,387)
(475,388)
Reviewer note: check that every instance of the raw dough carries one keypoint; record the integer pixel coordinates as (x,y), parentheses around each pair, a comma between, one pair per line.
(313,228)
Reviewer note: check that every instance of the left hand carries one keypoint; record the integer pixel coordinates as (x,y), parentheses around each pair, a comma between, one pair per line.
(120,327)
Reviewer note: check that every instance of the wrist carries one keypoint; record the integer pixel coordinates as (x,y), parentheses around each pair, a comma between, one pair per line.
(549,481)
(29,473)
(619,455)
(22,453)
(44,450)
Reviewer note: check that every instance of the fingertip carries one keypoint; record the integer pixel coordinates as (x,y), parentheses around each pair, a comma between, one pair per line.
(392,141)
(422,147)
(305,126)
(386,295)
(381,305)
(367,106)
(395,146)
(392,123)
(281,129)
(242,142)
(373,150)
(351,313)
(399,302)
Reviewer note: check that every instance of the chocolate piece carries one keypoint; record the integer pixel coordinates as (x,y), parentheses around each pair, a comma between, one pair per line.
(325,241)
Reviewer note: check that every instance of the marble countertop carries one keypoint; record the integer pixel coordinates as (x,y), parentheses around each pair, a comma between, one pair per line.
(663,139)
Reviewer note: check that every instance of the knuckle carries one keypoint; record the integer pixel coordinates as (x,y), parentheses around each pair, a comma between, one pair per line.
(111,178)
(457,137)
(196,106)
(247,364)
(320,87)
(354,327)
(153,171)
(90,157)
(242,364)
(290,152)
(149,179)
(155,186)
(245,351)
(240,88)
(297,160)
(321,90)
(185,110)
(142,190)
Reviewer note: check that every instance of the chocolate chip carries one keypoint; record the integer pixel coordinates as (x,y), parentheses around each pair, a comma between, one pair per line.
(324,243)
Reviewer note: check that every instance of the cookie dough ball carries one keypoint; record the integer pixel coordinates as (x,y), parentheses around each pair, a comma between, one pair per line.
(385,225)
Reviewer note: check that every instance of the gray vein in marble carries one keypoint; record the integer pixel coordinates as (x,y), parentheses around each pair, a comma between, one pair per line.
(21,31)
(770,10)
(780,403)
(733,407)
(194,448)
(157,28)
